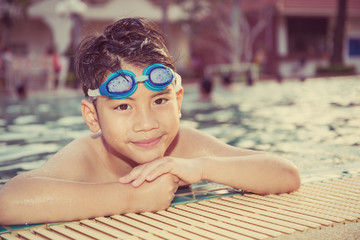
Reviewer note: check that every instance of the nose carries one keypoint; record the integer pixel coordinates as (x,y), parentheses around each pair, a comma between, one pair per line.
(145,120)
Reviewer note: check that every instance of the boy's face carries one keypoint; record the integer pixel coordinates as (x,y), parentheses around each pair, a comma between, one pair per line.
(142,126)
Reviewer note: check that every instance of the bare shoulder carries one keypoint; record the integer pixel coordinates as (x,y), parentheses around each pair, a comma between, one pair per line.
(195,143)
(75,161)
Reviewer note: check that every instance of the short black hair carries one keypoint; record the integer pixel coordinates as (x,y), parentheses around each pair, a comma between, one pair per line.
(135,41)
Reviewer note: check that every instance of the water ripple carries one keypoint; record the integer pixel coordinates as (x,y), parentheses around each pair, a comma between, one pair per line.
(315,123)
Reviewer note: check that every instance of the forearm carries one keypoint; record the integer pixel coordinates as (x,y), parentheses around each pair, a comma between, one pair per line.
(257,173)
(51,200)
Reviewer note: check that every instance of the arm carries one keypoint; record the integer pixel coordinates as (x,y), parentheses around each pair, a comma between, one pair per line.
(258,173)
(35,199)
(199,156)
(71,186)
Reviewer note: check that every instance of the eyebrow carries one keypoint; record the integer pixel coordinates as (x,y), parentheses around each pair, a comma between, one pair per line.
(163,92)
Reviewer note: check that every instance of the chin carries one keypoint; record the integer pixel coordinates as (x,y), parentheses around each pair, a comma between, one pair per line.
(147,157)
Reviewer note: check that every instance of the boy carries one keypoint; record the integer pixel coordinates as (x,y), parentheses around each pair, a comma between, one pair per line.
(138,153)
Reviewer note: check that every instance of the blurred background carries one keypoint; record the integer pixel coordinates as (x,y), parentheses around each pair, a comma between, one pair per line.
(272,75)
(272,39)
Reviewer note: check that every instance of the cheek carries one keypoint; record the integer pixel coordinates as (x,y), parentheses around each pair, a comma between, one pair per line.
(113,125)
(170,113)
(171,119)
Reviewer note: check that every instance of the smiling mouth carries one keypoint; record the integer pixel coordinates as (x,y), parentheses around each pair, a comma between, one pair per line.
(147,143)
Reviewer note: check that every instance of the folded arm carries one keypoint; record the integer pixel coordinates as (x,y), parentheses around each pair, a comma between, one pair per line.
(258,173)
(203,157)
(36,199)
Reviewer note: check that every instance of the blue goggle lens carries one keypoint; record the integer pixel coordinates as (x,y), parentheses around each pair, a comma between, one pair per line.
(119,84)
(160,76)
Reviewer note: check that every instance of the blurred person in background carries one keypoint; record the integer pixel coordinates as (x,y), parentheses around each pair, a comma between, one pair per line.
(54,68)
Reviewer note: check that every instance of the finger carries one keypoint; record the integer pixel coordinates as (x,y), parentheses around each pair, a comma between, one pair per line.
(176,179)
(131,176)
(157,172)
(128,178)
(142,175)
(138,181)
(125,179)
(176,184)
(163,168)
(182,183)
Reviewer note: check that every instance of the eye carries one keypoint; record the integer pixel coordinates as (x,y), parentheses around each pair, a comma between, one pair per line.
(160,101)
(123,107)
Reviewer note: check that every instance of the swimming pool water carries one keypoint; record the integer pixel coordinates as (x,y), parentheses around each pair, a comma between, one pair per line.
(315,124)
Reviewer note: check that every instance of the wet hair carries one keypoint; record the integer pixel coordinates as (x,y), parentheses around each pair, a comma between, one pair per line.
(135,41)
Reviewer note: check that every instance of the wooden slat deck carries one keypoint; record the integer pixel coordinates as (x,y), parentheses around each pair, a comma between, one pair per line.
(315,206)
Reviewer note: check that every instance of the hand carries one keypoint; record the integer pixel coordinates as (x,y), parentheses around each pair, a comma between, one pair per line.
(188,170)
(156,195)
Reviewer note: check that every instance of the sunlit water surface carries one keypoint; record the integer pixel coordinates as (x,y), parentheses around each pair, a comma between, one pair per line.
(315,124)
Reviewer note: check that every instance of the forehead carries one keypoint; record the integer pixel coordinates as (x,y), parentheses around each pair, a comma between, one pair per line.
(137,69)
(132,67)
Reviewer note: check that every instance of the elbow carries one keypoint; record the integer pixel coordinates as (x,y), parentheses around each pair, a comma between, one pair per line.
(287,175)
(296,182)
(288,182)
(292,180)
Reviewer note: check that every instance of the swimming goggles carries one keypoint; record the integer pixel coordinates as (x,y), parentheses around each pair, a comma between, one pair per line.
(123,83)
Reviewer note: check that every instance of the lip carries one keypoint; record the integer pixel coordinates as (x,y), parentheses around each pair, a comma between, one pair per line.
(147,143)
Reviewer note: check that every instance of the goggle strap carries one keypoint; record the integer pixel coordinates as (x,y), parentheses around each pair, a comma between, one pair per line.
(141,78)
(177,86)
(93,93)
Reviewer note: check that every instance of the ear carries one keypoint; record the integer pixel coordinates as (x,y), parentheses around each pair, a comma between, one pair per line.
(179,97)
(89,114)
